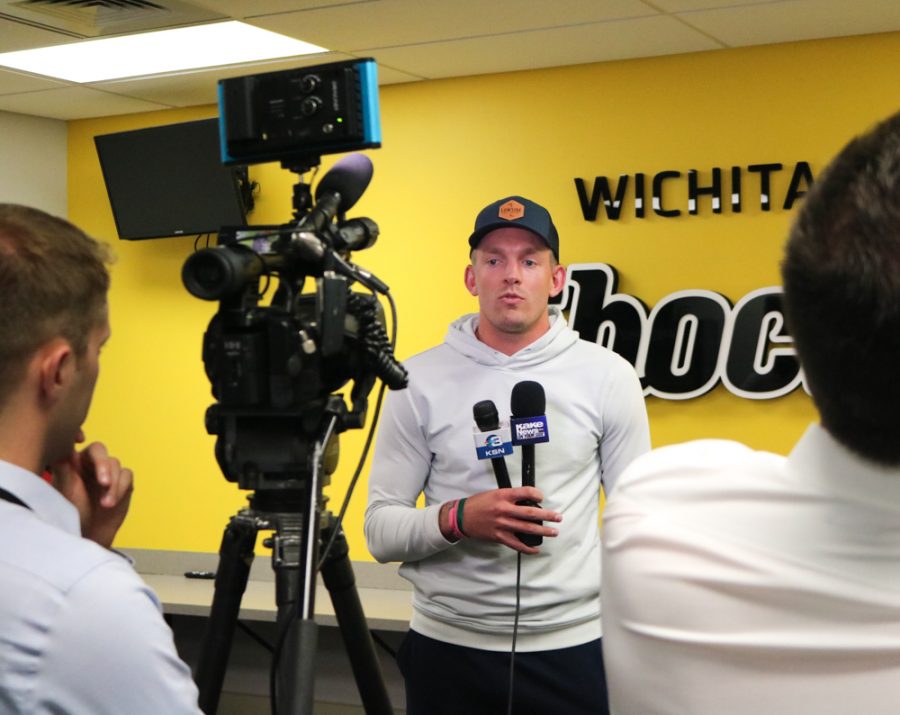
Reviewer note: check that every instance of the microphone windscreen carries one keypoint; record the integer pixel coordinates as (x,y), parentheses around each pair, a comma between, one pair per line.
(528,399)
(348,178)
(486,415)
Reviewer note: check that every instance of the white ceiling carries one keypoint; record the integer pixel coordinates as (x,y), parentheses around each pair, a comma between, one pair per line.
(412,40)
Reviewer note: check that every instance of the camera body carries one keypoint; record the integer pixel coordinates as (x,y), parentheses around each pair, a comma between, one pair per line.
(274,354)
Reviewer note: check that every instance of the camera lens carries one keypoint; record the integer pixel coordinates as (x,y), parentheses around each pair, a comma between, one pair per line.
(212,273)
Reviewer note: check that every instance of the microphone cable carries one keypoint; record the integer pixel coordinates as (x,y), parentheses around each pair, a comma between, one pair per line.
(512,654)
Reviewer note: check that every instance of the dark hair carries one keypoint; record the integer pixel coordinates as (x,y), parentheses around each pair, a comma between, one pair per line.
(841,278)
(53,283)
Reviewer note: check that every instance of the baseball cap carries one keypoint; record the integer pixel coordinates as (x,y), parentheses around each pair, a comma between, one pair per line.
(520,212)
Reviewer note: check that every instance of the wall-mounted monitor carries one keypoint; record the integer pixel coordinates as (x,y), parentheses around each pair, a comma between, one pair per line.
(170,181)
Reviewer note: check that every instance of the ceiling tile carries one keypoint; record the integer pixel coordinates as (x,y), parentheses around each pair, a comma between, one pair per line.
(684,5)
(390,75)
(12,82)
(185,89)
(96,18)
(795,20)
(74,103)
(244,9)
(16,36)
(418,39)
(188,89)
(645,37)
(390,23)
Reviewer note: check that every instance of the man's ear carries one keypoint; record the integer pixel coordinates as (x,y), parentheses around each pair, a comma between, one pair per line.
(55,367)
(558,280)
(470,280)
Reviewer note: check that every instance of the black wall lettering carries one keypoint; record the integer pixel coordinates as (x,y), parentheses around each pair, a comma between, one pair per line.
(686,331)
(691,340)
(601,192)
(657,193)
(765,185)
(695,191)
(639,195)
(736,189)
(598,314)
(802,172)
(589,206)
(613,197)
(761,361)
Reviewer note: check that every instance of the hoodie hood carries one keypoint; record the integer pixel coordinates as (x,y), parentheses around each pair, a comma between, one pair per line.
(461,338)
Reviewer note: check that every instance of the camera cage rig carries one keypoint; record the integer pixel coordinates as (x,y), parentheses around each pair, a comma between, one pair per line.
(274,368)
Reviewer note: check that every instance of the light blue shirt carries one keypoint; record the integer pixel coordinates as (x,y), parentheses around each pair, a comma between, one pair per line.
(80,633)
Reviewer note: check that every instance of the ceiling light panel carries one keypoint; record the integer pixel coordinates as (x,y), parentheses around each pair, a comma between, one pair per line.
(153,53)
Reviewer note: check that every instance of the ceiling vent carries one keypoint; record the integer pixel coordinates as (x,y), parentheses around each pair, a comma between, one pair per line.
(98,18)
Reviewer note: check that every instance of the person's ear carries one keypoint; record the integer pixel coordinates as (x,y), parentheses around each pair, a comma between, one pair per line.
(55,367)
(470,280)
(557,280)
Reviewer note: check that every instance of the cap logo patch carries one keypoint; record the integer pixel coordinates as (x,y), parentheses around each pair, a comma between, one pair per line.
(511,210)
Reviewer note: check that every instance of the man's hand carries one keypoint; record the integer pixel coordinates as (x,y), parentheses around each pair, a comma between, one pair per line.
(99,487)
(494,516)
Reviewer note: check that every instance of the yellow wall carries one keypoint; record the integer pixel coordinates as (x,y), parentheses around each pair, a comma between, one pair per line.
(450,147)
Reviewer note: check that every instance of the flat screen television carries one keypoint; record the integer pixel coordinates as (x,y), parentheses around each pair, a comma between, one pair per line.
(169,181)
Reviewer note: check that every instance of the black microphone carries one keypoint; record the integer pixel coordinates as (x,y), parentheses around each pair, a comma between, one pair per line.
(529,426)
(488,420)
(340,189)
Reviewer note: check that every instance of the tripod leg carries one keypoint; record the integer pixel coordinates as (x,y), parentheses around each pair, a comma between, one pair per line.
(297,673)
(337,573)
(297,576)
(235,558)
(295,600)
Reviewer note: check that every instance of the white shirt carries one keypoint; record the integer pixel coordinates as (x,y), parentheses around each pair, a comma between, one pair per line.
(80,633)
(742,582)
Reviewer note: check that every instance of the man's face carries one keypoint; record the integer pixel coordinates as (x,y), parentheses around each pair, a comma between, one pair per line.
(73,410)
(513,274)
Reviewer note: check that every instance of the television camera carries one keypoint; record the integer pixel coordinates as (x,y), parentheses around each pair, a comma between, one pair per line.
(274,367)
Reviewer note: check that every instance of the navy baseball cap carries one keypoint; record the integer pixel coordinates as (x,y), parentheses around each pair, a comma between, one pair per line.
(520,212)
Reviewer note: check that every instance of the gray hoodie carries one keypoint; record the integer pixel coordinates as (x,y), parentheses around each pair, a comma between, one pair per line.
(465,591)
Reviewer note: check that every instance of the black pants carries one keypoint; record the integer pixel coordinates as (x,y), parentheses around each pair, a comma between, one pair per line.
(445,678)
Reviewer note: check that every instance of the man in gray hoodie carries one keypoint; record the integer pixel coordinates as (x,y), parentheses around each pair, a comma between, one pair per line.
(461,550)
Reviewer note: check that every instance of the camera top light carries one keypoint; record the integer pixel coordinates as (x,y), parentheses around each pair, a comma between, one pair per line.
(300,114)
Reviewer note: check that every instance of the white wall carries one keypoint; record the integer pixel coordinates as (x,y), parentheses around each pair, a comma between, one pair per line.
(33,162)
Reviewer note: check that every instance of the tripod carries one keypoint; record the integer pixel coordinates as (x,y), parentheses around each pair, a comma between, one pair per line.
(299,525)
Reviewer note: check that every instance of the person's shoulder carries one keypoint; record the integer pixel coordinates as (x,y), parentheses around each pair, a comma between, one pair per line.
(434,361)
(704,453)
(600,354)
(111,623)
(427,356)
(107,594)
(713,463)
(54,557)
(599,364)
(426,372)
